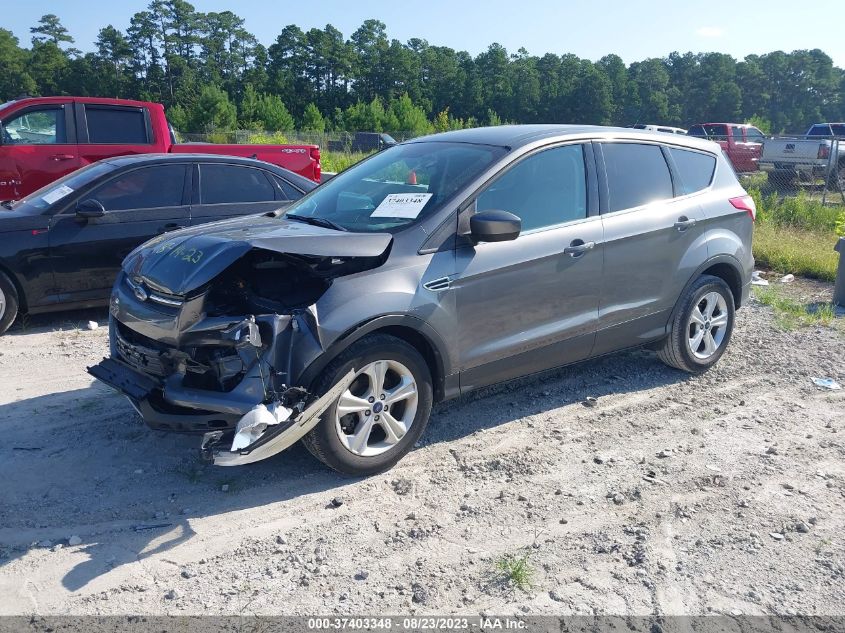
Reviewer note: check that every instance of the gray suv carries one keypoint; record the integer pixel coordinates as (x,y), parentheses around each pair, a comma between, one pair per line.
(431,269)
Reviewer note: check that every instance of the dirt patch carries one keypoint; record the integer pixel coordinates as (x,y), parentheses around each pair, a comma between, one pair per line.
(721,493)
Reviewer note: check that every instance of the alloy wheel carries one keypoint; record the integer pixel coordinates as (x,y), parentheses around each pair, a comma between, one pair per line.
(2,303)
(707,325)
(378,408)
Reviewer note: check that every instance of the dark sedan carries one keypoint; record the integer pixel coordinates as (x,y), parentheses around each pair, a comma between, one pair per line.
(61,247)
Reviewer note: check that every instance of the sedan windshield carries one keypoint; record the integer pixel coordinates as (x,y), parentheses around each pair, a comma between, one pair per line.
(395,188)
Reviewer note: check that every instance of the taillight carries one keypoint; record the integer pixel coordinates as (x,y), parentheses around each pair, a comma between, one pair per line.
(824,151)
(745,203)
(318,168)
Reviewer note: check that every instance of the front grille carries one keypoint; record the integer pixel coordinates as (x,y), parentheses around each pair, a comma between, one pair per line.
(141,357)
(144,291)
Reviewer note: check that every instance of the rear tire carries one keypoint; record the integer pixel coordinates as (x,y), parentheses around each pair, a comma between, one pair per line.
(369,434)
(702,327)
(8,303)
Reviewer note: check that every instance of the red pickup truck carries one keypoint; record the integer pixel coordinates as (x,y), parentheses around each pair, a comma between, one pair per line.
(44,138)
(742,143)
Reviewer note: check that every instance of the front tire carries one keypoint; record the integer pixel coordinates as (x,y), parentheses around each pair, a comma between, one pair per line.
(8,303)
(382,414)
(702,327)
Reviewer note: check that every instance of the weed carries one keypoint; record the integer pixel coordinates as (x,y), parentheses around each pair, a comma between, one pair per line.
(516,570)
(788,249)
(338,161)
(790,314)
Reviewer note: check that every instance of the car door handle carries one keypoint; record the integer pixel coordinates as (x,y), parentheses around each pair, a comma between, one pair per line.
(684,223)
(578,247)
(62,156)
(171,226)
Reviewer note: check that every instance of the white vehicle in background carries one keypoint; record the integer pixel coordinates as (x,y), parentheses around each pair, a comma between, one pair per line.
(660,128)
(819,154)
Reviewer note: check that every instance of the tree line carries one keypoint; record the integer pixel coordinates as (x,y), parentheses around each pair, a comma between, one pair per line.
(212,74)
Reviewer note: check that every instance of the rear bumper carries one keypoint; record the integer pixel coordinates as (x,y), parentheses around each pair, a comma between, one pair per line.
(804,168)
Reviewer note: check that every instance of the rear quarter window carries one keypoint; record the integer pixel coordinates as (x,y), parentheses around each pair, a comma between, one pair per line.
(116,126)
(636,175)
(695,169)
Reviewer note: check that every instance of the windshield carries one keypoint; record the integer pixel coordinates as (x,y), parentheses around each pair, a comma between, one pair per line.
(396,187)
(48,195)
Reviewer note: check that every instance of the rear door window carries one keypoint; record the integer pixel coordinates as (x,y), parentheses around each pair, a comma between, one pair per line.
(695,169)
(116,125)
(636,175)
(228,184)
(737,134)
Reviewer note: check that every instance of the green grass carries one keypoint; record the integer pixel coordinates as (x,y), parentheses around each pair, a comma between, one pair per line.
(516,571)
(796,234)
(338,161)
(791,314)
(788,249)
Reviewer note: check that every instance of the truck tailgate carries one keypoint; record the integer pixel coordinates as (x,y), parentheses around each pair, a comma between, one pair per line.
(301,159)
(792,150)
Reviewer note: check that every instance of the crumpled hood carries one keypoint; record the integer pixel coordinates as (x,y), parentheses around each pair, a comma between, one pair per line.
(184,260)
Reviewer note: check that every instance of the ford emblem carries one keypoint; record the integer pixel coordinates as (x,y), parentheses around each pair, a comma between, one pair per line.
(140,293)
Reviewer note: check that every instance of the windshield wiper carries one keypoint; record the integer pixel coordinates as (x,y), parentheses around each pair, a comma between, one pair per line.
(327,224)
(7,204)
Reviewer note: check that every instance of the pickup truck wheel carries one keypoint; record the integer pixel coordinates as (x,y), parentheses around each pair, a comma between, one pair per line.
(8,303)
(382,414)
(702,327)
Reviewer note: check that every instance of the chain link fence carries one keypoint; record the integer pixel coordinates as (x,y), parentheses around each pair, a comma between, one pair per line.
(331,141)
(812,167)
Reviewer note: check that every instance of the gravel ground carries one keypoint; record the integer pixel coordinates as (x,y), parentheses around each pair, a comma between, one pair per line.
(722,493)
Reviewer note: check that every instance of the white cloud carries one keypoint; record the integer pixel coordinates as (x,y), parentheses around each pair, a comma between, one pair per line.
(710,31)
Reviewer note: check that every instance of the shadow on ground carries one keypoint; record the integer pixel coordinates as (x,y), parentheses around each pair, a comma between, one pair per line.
(84,464)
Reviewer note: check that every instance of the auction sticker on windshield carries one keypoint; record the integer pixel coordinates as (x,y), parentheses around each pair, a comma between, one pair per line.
(57,194)
(401,205)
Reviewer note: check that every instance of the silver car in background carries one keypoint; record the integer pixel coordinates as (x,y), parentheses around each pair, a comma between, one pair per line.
(431,269)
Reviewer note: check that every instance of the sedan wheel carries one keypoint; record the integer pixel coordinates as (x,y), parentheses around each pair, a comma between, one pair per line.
(8,303)
(377,410)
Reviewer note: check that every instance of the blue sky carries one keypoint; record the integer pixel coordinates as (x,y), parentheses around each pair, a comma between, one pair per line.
(633,30)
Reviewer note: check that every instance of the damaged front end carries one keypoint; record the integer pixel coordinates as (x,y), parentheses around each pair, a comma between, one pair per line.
(210,334)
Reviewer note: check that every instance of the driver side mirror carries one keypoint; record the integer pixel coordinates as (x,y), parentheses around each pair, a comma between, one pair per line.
(494,226)
(90,208)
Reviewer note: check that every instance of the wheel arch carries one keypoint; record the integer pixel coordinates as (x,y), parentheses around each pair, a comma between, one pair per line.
(22,305)
(413,330)
(726,268)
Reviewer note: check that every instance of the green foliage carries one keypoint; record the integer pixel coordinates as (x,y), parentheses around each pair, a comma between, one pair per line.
(839,227)
(516,571)
(799,211)
(273,114)
(178,117)
(788,249)
(312,120)
(213,111)
(790,313)
(277,138)
(761,123)
(338,161)
(367,81)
